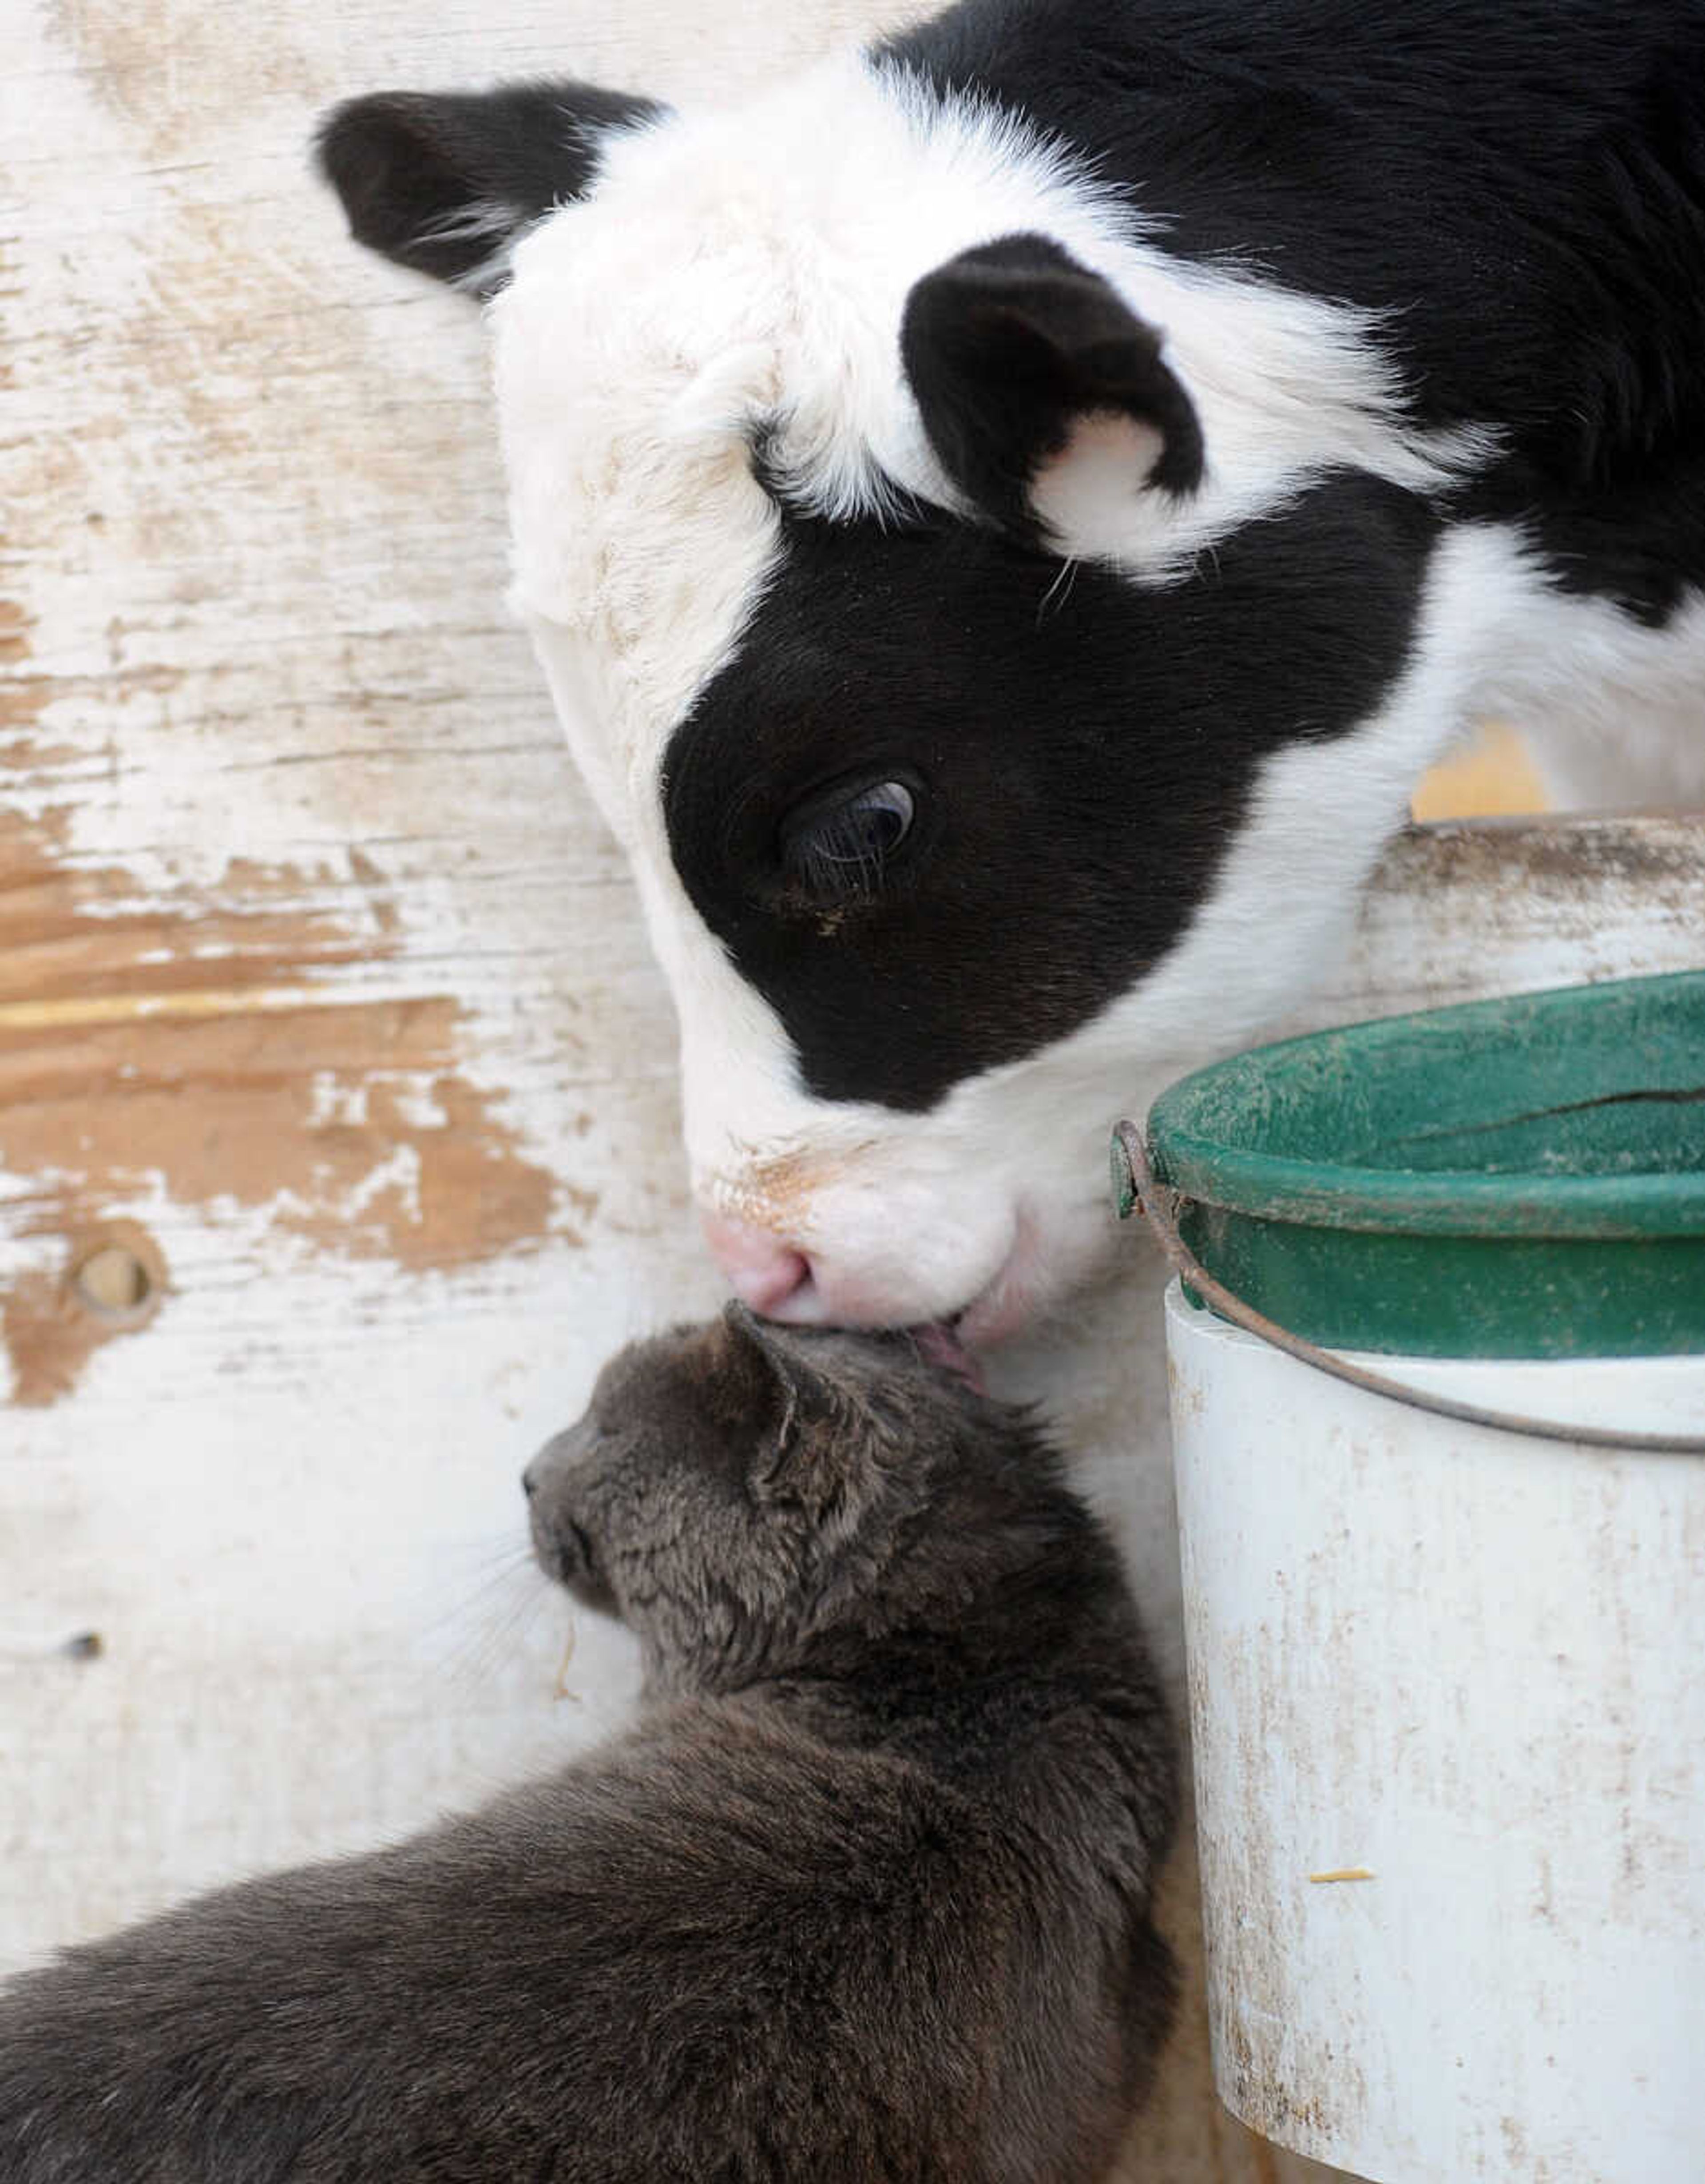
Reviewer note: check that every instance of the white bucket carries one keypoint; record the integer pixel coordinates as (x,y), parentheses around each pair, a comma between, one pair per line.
(1447,1692)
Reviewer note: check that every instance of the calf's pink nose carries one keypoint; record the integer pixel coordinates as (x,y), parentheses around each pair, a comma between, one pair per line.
(762,1270)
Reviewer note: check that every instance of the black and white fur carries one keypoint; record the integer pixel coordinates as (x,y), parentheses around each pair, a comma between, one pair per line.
(1008,515)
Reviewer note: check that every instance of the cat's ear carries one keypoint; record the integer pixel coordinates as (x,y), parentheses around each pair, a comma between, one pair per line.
(823,1438)
(446,183)
(1011,349)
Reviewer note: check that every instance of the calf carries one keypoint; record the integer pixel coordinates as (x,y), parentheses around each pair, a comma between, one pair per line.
(1007,515)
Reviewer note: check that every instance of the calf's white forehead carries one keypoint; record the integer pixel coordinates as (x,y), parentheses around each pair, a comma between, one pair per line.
(751,268)
(727,271)
(640,537)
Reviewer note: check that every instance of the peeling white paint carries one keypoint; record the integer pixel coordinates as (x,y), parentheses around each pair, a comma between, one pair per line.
(253,483)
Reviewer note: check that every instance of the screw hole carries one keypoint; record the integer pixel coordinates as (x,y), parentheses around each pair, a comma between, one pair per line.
(115,1281)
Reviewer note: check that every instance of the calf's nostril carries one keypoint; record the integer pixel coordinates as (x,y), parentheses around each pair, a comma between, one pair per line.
(529,1483)
(762,1270)
(766,1289)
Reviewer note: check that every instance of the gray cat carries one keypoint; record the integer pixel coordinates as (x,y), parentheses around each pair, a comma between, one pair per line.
(863,1898)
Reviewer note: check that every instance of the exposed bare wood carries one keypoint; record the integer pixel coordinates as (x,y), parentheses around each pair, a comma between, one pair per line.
(324,1005)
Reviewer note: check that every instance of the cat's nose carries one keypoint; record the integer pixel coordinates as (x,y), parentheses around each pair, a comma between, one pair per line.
(560,1452)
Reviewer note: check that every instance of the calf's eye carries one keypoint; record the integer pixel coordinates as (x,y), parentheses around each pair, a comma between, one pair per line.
(835,847)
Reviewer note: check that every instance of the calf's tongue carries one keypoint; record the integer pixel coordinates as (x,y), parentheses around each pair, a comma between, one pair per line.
(938,1341)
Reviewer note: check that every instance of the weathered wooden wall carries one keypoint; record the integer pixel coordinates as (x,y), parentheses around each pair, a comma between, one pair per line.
(327,1030)
(322,995)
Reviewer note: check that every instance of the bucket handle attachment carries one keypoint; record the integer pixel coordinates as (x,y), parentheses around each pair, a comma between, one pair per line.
(1136,1189)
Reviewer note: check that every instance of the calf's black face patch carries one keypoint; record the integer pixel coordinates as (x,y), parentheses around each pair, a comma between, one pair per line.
(952,796)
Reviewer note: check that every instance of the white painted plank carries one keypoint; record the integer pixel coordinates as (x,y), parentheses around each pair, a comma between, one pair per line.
(314,965)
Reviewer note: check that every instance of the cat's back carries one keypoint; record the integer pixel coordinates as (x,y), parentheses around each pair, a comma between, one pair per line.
(717,1950)
(725,1948)
(752,1952)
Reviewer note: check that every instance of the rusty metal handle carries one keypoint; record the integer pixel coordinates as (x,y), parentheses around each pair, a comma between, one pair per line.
(1137,1191)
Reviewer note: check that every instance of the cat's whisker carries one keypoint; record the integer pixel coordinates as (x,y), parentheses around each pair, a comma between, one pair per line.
(472,1640)
(489,1649)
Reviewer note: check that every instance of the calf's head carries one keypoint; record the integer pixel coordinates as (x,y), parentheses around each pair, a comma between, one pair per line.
(992,693)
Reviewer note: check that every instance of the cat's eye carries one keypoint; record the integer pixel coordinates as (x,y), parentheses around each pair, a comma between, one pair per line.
(835,848)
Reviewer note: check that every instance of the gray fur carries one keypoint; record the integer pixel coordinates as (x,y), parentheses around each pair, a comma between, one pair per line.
(863,1899)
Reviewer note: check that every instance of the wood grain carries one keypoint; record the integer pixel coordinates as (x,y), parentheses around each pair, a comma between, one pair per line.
(323,994)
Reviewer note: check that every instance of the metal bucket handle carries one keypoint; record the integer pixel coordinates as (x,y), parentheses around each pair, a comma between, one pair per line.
(1136,1189)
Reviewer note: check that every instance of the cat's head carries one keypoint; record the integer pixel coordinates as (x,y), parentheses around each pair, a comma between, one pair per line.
(739,1491)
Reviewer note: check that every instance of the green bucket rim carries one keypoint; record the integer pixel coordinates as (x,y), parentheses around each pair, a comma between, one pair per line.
(1202,1167)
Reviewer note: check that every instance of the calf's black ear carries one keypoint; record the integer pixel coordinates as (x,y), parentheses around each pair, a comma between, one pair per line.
(1007,346)
(445,181)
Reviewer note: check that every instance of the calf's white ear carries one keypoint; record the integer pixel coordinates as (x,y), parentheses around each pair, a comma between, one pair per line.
(446,181)
(1008,347)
